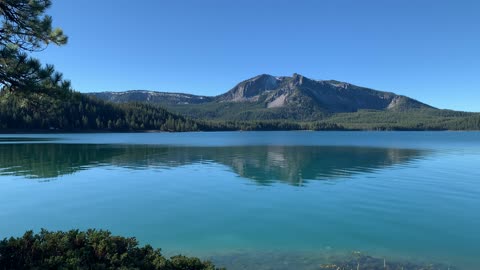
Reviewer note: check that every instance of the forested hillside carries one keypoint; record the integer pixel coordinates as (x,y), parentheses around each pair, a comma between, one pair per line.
(66,110)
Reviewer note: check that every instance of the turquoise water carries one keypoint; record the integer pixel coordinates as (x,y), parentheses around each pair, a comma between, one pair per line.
(279,200)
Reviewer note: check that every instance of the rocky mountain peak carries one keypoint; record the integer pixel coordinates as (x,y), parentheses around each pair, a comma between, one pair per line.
(250,89)
(297,77)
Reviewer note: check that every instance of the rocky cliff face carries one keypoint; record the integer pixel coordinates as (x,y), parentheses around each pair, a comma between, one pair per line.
(251,89)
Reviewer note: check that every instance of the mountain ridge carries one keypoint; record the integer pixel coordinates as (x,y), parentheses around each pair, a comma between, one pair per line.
(149,96)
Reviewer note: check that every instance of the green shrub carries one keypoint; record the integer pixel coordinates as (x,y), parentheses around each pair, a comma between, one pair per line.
(93,249)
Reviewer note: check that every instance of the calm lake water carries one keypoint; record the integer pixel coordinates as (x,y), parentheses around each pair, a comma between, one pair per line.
(251,200)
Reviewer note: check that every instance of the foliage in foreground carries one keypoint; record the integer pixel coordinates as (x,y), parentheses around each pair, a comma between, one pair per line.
(93,249)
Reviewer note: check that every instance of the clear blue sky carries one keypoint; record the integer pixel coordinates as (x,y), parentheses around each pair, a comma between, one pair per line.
(429,50)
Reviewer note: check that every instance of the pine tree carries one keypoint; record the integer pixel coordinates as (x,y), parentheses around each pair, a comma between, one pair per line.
(25,28)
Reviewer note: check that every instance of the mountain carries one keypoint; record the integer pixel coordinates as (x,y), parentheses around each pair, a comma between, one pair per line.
(330,96)
(267,97)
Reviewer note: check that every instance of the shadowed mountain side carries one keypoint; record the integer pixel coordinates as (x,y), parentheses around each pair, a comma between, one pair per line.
(263,164)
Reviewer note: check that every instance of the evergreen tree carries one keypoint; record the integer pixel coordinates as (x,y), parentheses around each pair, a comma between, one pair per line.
(26,28)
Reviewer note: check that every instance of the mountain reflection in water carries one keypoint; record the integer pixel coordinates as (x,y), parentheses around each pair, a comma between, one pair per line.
(263,164)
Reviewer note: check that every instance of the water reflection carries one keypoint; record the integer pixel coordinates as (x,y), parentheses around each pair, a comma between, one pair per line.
(262,164)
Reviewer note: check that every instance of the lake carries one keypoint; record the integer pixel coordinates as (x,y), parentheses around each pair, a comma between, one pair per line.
(255,200)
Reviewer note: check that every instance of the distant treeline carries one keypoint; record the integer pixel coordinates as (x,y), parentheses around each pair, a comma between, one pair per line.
(266,125)
(420,119)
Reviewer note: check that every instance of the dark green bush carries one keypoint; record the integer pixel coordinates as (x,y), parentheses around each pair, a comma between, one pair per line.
(93,249)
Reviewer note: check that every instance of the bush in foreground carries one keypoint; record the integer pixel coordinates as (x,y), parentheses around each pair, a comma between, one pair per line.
(93,249)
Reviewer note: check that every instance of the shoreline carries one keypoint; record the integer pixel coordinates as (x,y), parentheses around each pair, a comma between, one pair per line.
(217,131)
